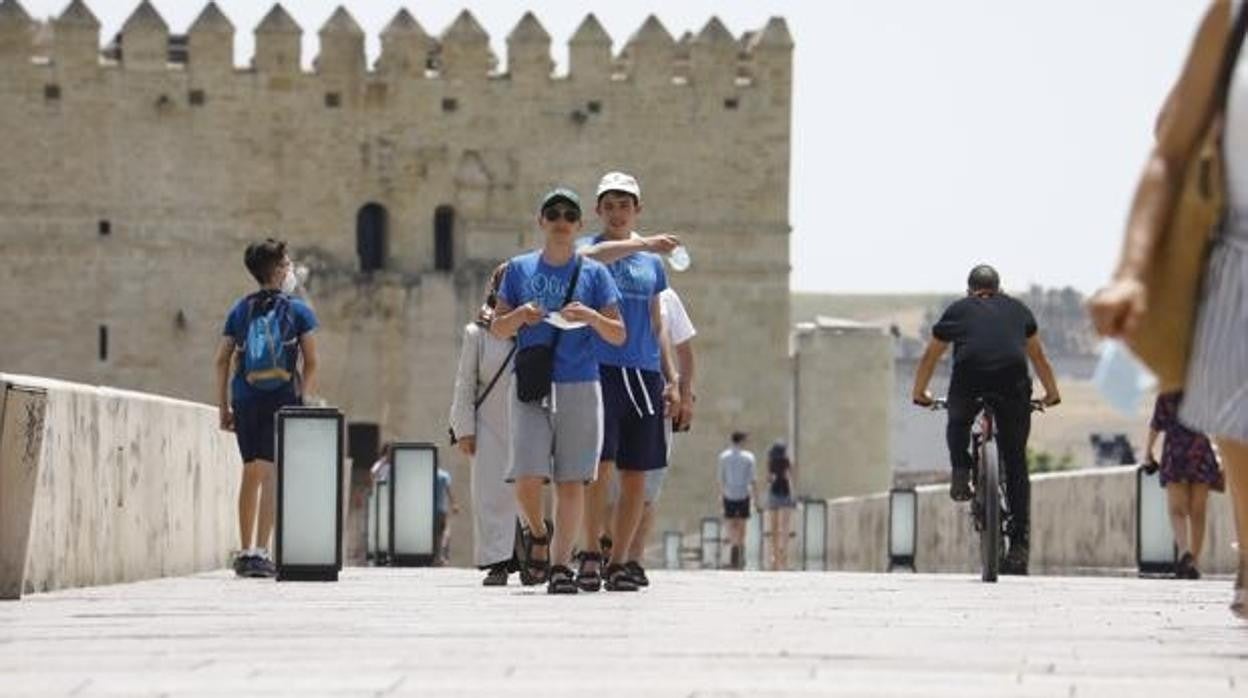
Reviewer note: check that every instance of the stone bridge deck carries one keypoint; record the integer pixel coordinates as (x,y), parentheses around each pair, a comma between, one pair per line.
(437,633)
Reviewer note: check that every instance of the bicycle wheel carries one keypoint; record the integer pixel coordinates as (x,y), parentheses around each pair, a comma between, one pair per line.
(988,494)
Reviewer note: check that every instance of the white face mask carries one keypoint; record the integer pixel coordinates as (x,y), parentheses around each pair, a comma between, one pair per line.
(290,282)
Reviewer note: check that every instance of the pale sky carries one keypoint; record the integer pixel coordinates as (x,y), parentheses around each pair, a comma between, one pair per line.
(928,135)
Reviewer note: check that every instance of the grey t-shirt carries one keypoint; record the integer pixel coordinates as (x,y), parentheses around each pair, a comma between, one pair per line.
(736,472)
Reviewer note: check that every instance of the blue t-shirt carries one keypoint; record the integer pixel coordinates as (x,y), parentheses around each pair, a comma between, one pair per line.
(303,321)
(640,277)
(529,278)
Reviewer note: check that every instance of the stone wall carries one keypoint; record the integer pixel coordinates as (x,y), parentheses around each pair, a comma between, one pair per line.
(1083,520)
(132,182)
(843,388)
(102,486)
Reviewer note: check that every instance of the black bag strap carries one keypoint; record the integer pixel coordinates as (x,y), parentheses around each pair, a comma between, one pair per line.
(476,405)
(567,298)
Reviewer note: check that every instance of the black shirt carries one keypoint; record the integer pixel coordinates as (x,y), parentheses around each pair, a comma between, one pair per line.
(989,336)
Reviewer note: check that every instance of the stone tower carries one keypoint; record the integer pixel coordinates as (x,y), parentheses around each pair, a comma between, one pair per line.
(131,184)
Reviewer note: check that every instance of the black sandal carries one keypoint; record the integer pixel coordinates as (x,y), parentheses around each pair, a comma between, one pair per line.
(589,580)
(561,581)
(618,579)
(532,570)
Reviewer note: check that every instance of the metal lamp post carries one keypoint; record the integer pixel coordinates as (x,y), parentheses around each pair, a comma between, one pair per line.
(814,534)
(1155,551)
(413,493)
(672,543)
(710,545)
(903,517)
(309,493)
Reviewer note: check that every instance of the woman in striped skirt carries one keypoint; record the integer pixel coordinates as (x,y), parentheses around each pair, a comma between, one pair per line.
(1216,400)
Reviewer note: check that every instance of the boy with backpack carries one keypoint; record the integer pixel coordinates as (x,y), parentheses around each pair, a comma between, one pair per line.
(266,334)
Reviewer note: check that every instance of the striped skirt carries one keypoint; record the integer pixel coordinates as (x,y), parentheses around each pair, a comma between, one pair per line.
(1216,400)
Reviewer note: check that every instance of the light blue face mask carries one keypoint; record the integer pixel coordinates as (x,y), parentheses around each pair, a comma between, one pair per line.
(1121,379)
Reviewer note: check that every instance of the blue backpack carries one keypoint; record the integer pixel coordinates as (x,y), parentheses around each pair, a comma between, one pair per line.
(269,348)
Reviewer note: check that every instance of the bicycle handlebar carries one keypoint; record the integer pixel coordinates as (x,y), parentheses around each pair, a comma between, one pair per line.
(942,403)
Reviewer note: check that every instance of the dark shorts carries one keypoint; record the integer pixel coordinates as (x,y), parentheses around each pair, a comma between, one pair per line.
(254,419)
(737,508)
(634,436)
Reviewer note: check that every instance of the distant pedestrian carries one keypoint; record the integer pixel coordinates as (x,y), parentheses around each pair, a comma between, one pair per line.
(269,348)
(780,503)
(380,471)
(444,506)
(737,471)
(480,422)
(1188,468)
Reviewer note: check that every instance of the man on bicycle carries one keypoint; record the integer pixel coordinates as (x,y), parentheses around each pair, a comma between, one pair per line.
(993,336)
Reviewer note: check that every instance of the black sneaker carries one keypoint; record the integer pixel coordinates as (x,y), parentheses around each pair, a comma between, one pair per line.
(259,567)
(1015,562)
(496,575)
(1185,568)
(960,485)
(637,573)
(240,564)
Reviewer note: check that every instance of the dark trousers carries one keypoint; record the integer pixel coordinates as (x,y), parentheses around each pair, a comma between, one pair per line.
(1010,398)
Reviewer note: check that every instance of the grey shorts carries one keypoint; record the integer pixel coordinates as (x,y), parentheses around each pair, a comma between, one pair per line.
(654,486)
(560,444)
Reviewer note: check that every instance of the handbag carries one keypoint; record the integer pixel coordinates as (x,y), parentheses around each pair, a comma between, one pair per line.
(535,365)
(1163,337)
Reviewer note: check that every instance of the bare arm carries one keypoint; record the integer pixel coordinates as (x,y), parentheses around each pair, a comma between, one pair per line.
(311,362)
(685,363)
(608,251)
(508,321)
(923,374)
(1044,370)
(1150,449)
(667,359)
(1185,117)
(607,323)
(225,355)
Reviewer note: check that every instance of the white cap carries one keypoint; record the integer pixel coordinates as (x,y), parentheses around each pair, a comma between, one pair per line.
(619,181)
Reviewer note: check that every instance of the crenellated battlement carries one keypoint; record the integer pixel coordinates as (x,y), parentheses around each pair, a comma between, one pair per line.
(461,53)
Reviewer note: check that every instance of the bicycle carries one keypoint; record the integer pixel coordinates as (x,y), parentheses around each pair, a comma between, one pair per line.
(990,510)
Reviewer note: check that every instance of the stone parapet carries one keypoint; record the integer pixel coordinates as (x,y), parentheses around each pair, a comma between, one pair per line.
(101,486)
(1080,521)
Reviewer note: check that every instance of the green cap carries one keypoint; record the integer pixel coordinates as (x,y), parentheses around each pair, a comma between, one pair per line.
(560,194)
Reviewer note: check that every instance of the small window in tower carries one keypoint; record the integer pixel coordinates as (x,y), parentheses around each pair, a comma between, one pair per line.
(450,104)
(444,238)
(106,227)
(51,93)
(103,343)
(594,107)
(371,244)
(196,98)
(731,103)
(333,100)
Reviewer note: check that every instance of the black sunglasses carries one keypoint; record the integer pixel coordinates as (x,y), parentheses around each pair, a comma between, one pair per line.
(570,215)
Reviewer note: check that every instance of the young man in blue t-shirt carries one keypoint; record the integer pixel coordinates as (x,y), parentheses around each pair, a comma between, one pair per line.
(639,387)
(556,436)
(265,379)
